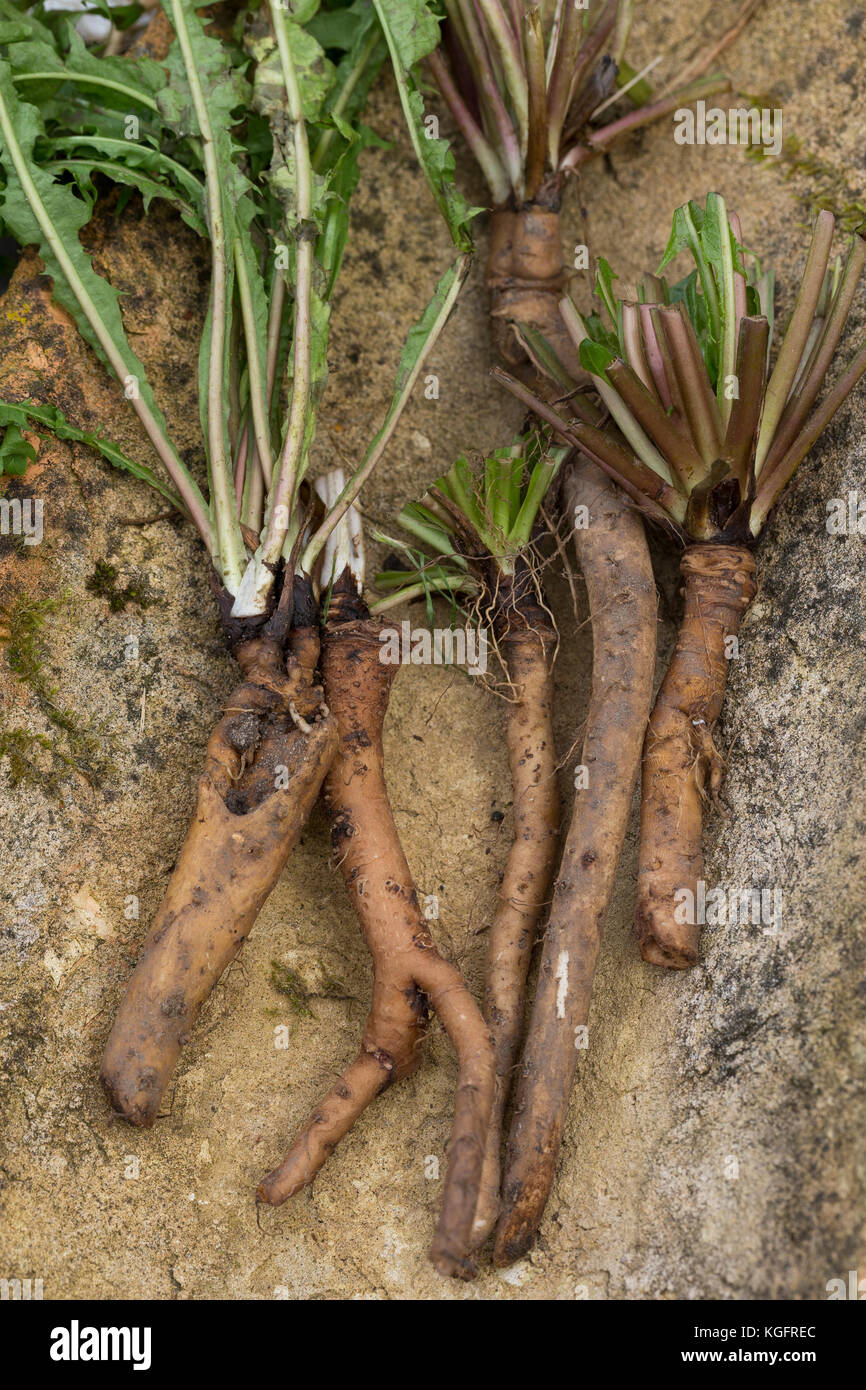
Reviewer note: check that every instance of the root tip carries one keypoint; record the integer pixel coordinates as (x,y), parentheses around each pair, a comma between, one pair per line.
(511,1245)
(122,1108)
(267,1195)
(663,944)
(674,958)
(453,1266)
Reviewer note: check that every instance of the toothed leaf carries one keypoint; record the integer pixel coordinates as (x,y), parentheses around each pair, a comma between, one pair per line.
(595,357)
(412,31)
(65,214)
(15,452)
(27,415)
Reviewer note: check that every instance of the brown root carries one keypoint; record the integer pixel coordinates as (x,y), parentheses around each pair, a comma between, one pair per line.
(263,770)
(613,556)
(680,762)
(525,888)
(409,973)
(526,279)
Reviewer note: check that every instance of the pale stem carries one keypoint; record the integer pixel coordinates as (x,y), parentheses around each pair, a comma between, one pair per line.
(258,402)
(232,555)
(282,497)
(383,438)
(511,58)
(485,155)
(796,335)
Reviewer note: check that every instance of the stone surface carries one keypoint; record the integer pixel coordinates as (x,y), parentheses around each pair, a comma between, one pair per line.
(715,1144)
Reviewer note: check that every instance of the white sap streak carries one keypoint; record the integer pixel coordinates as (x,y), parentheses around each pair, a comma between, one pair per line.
(562,976)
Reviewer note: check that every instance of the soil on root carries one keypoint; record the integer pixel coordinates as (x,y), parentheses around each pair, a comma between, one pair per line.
(264,766)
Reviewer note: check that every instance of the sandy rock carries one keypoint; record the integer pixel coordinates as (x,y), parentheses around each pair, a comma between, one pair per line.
(715,1145)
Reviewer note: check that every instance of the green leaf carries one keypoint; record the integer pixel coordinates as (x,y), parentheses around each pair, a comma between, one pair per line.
(503,472)
(15,31)
(27,415)
(425,526)
(133,156)
(604,278)
(540,479)
(226,90)
(753,301)
(340,28)
(595,357)
(315,73)
(540,351)
(301,11)
(66,214)
(680,238)
(686,290)
(411,27)
(720,248)
(600,333)
(698,230)
(282,179)
(712,234)
(640,93)
(247,251)
(206,91)
(461,486)
(121,16)
(320,323)
(411,32)
(37,67)
(315,78)
(15,452)
(328,102)
(54,27)
(149,188)
(420,332)
(342,181)
(353,79)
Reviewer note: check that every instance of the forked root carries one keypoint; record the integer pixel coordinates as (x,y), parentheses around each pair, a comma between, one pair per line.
(262,775)
(408,971)
(615,562)
(681,766)
(527,648)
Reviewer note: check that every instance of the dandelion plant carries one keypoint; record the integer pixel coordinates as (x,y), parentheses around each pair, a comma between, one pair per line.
(255,139)
(705,436)
(471,541)
(410,978)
